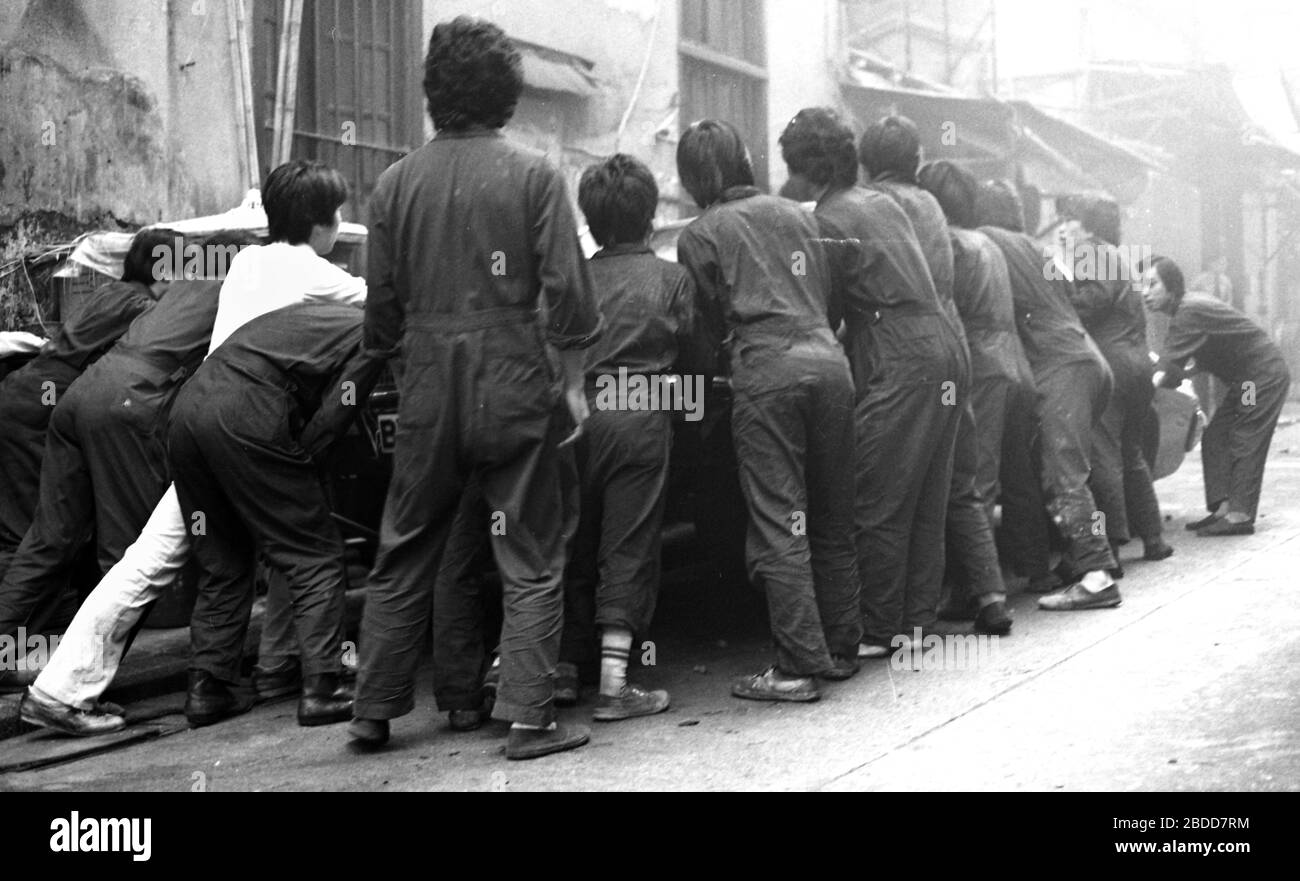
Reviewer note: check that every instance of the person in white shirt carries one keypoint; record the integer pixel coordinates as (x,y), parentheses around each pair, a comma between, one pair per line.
(302,201)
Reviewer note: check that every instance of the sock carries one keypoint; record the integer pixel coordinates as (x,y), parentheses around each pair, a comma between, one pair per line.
(1097,580)
(615,648)
(1235,517)
(525,727)
(988,599)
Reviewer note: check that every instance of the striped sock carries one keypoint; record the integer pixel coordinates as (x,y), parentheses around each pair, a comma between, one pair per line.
(615,649)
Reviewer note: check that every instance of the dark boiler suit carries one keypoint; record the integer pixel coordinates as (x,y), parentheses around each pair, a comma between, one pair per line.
(28,396)
(1073,385)
(982,292)
(468,234)
(1112,312)
(909,369)
(612,577)
(246,440)
(105,455)
(763,281)
(1226,344)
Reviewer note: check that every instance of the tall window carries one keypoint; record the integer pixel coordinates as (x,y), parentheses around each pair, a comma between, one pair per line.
(724,69)
(359,102)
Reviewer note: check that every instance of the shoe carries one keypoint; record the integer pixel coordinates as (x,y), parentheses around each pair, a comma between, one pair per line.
(1156,552)
(369,733)
(533,743)
(629,703)
(962,610)
(869,650)
(993,620)
(465,720)
(279,682)
(324,701)
(17,681)
(771,685)
(1224,526)
(1045,583)
(844,668)
(210,700)
(58,716)
(1202,523)
(567,689)
(1076,598)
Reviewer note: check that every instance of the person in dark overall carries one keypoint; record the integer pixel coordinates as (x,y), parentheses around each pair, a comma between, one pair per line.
(764,285)
(1110,306)
(890,152)
(1229,346)
(29,395)
(246,440)
(1073,384)
(104,466)
(999,372)
(468,234)
(648,305)
(902,350)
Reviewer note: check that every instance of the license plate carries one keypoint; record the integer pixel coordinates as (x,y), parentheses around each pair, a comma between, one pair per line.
(386,432)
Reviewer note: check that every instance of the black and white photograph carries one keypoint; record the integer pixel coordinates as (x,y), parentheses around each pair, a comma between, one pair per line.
(651,395)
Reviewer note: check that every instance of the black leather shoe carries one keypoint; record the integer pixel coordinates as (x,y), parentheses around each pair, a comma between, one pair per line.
(1202,523)
(1158,551)
(210,700)
(369,733)
(324,701)
(48,713)
(993,620)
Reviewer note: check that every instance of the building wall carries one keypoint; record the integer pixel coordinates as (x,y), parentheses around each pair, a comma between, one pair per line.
(135,139)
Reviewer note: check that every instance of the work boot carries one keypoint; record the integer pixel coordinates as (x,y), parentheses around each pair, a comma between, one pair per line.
(773,685)
(533,743)
(324,701)
(369,733)
(210,700)
(628,703)
(46,712)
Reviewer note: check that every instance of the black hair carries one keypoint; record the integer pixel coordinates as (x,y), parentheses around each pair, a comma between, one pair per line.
(891,144)
(998,204)
(239,238)
(818,145)
(618,197)
(711,158)
(138,266)
(1101,218)
(298,195)
(954,188)
(1170,275)
(473,75)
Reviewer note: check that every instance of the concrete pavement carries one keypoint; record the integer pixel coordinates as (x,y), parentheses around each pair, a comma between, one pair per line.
(1193,683)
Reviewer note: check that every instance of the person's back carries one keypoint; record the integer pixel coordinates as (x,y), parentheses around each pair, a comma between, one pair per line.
(982,292)
(1224,341)
(764,266)
(1110,307)
(647,304)
(929,226)
(1049,327)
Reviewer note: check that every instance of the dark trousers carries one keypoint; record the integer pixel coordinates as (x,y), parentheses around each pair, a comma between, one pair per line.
(971,553)
(102,473)
(1121,480)
(612,578)
(246,488)
(792,424)
(1025,534)
(466,607)
(1072,398)
(906,439)
(991,399)
(476,403)
(1235,444)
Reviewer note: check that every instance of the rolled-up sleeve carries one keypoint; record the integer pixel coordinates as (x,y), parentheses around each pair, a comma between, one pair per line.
(385,310)
(572,319)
